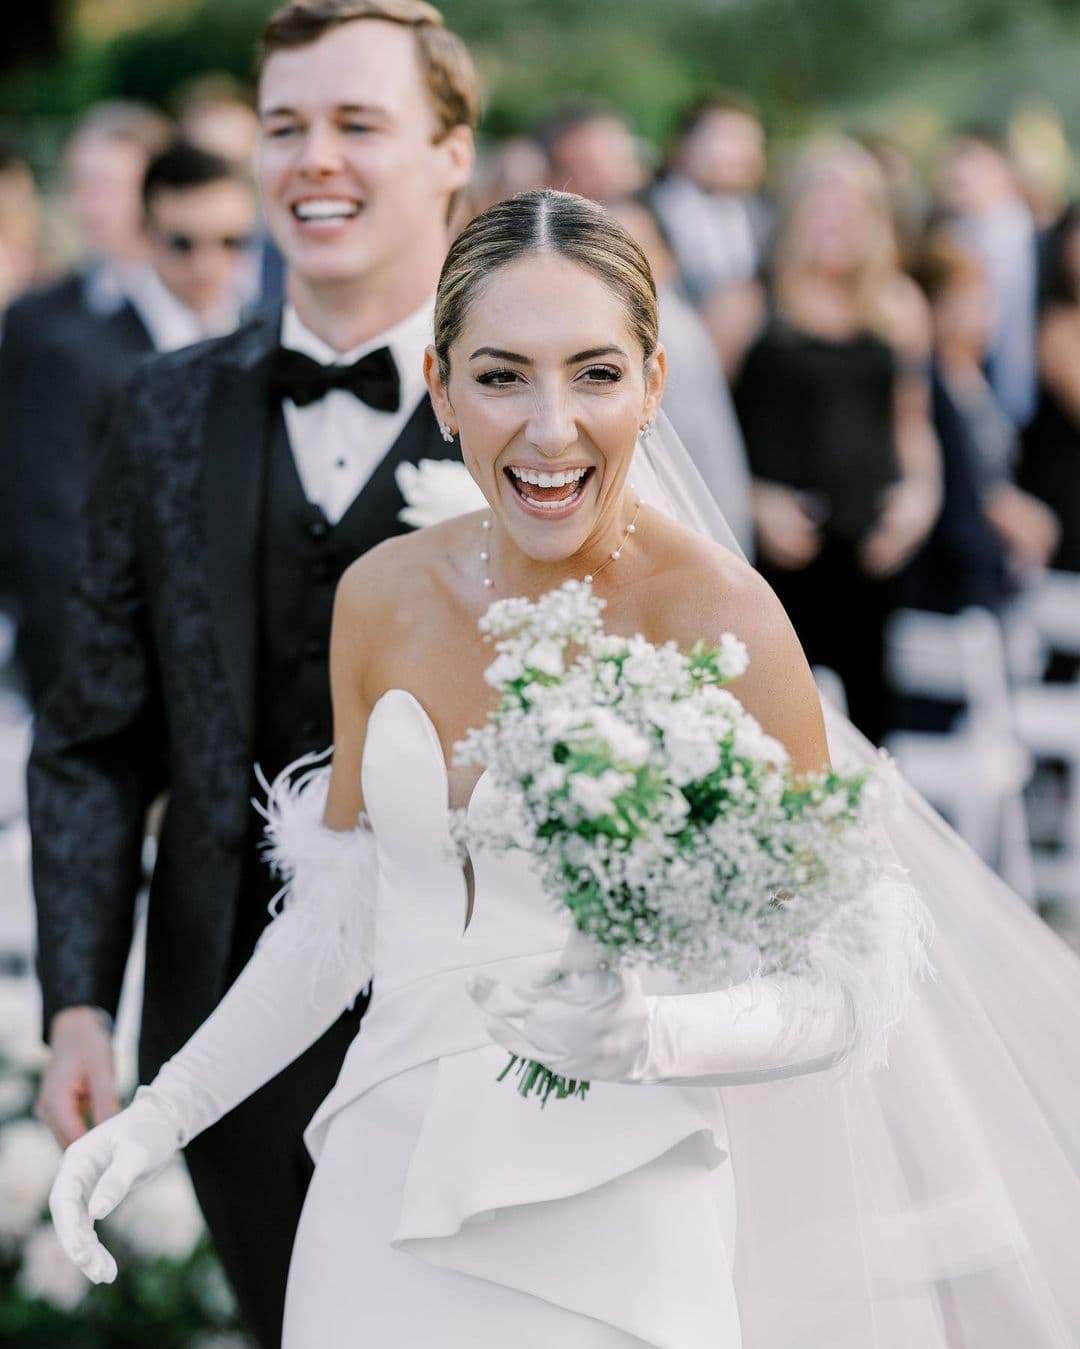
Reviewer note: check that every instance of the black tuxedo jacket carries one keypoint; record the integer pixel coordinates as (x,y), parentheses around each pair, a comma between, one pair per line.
(62,367)
(158,691)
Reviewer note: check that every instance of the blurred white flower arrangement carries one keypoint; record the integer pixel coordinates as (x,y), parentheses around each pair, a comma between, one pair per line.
(171,1291)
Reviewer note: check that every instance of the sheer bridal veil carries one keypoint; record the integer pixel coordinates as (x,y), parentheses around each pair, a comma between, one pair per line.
(935,1203)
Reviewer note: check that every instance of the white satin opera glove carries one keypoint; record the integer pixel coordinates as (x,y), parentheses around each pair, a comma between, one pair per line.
(309,965)
(599,1026)
(588,1020)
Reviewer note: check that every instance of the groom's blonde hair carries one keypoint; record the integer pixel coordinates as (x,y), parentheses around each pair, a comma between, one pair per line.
(445,64)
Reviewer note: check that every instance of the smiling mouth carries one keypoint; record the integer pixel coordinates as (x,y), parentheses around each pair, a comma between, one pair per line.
(548,491)
(316,210)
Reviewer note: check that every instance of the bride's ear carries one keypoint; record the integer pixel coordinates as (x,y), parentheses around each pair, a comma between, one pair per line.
(440,399)
(655,379)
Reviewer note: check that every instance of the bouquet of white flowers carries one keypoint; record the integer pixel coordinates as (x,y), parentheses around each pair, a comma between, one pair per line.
(654,805)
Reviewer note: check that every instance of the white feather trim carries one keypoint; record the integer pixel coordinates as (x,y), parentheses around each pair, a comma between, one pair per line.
(326,904)
(875,953)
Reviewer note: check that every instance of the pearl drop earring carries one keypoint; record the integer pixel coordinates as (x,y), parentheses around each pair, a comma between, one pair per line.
(445,432)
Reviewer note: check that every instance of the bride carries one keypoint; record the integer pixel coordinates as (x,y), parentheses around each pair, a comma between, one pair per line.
(726,1183)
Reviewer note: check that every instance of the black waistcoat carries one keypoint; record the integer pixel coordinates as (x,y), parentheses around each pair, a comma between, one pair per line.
(301,559)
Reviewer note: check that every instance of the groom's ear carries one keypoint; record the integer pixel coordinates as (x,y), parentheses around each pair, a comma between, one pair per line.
(440,399)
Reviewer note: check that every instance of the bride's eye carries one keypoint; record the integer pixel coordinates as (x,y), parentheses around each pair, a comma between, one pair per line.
(601,374)
(497,378)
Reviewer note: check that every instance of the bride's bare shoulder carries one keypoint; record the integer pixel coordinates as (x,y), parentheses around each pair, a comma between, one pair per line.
(708,591)
(404,570)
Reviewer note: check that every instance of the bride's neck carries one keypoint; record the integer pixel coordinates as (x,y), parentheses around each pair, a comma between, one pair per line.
(513,572)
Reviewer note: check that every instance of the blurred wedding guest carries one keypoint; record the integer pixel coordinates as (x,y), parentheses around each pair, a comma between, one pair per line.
(104,165)
(65,351)
(1050,464)
(20,228)
(60,380)
(711,201)
(241,477)
(908,197)
(215,113)
(1039,150)
(989,532)
(710,197)
(987,215)
(591,150)
(696,395)
(517,164)
(201,218)
(834,404)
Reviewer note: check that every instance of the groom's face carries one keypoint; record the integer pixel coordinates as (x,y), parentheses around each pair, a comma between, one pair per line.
(353,178)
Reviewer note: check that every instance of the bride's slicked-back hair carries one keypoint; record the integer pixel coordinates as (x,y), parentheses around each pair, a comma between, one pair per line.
(562,223)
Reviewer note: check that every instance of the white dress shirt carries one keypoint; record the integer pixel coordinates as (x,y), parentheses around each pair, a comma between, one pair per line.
(339,441)
(170,323)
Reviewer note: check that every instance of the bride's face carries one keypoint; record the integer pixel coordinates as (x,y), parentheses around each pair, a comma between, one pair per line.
(548,378)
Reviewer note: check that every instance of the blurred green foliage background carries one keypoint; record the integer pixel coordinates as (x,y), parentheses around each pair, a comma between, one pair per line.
(909,66)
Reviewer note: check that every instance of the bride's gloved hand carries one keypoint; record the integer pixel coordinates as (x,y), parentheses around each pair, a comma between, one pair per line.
(103,1166)
(587,1021)
(581,1017)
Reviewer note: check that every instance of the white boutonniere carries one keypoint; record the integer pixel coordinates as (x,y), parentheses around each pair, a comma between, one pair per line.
(435,490)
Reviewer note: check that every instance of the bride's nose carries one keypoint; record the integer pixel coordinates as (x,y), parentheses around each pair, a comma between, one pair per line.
(551,428)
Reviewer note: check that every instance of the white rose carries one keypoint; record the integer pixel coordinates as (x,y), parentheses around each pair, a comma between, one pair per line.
(734,658)
(628,747)
(595,796)
(506,667)
(436,490)
(751,742)
(161,1218)
(546,656)
(29,1157)
(48,1274)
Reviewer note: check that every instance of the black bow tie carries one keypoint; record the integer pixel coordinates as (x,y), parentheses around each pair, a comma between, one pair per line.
(374,378)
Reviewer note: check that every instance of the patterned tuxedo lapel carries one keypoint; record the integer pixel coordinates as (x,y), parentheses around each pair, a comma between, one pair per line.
(234,466)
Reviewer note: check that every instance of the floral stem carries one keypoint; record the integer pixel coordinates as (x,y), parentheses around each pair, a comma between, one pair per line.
(536,1080)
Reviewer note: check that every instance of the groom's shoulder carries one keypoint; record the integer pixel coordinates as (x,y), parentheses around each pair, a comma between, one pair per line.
(189,373)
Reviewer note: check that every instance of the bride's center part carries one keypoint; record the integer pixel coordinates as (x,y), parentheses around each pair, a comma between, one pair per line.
(569,492)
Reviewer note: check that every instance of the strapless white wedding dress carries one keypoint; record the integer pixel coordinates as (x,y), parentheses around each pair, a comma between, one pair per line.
(447,1211)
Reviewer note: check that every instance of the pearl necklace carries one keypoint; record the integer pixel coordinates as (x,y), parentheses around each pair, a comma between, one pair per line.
(613,556)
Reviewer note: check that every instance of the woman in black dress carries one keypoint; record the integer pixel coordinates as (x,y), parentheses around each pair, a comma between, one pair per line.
(833,400)
(1050,464)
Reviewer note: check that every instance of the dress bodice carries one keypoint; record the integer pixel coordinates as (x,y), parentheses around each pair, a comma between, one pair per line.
(422,900)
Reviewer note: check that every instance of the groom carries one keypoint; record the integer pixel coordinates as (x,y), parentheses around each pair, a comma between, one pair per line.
(240,479)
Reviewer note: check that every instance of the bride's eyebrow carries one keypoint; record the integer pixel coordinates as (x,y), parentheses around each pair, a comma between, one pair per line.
(592,354)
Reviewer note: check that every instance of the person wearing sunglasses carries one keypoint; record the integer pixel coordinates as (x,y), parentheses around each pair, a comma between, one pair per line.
(201,219)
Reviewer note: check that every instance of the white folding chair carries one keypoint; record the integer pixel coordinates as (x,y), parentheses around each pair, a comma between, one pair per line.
(975,773)
(1048,718)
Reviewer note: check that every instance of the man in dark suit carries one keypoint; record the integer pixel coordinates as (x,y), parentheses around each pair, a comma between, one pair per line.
(65,350)
(63,366)
(240,479)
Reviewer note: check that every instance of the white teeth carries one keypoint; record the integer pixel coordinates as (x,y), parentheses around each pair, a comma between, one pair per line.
(561,479)
(326,208)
